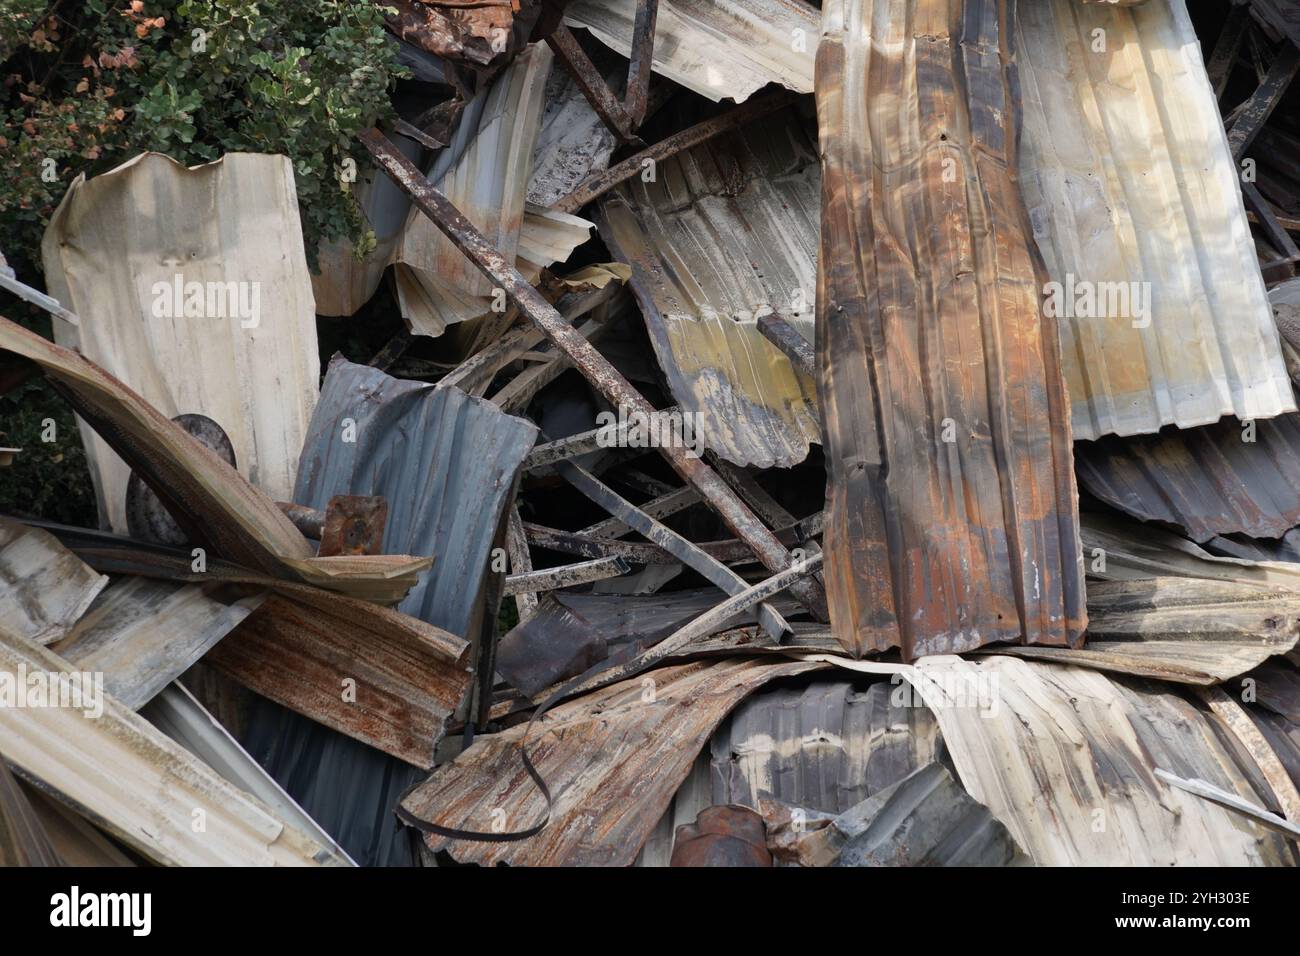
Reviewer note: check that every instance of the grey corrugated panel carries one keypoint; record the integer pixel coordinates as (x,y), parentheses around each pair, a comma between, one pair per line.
(348,788)
(728,231)
(826,747)
(925,820)
(823,747)
(1208,481)
(446,462)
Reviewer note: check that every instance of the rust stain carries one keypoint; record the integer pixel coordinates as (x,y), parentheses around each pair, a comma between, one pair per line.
(612,759)
(951,514)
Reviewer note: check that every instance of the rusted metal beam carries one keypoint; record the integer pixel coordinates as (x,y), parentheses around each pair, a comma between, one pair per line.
(685,551)
(563,449)
(552,579)
(598,184)
(520,563)
(661,507)
(1277,235)
(595,367)
(1255,111)
(792,345)
(640,67)
(565,45)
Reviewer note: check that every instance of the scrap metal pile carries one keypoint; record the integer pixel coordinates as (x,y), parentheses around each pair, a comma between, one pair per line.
(852,434)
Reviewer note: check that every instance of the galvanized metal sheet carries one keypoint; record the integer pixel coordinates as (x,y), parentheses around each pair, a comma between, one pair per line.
(45,587)
(612,760)
(142,634)
(446,462)
(1095,801)
(1128,179)
(124,251)
(131,778)
(1186,630)
(925,820)
(825,747)
(717,48)
(951,514)
(1229,477)
(724,233)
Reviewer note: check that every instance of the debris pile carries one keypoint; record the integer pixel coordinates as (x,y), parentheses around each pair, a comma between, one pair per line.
(855,434)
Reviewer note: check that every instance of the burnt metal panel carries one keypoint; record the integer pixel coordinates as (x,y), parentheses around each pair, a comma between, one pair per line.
(951,514)
(1229,477)
(925,820)
(612,760)
(727,232)
(445,462)
(824,747)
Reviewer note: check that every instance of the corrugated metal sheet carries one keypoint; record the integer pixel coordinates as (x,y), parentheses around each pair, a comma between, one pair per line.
(446,462)
(1186,630)
(717,48)
(1128,178)
(1223,478)
(1119,549)
(177,713)
(215,505)
(727,231)
(126,775)
(142,634)
(46,588)
(951,507)
(376,686)
(484,171)
(349,788)
(572,144)
(823,748)
(826,747)
(924,820)
(116,237)
(1095,801)
(612,760)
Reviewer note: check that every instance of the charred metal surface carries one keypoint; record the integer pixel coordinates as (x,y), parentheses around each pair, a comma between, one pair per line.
(354,524)
(1225,478)
(612,761)
(951,507)
(793,345)
(600,183)
(567,576)
(574,59)
(594,366)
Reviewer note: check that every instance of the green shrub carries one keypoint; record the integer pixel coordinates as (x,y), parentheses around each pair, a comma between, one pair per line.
(89,83)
